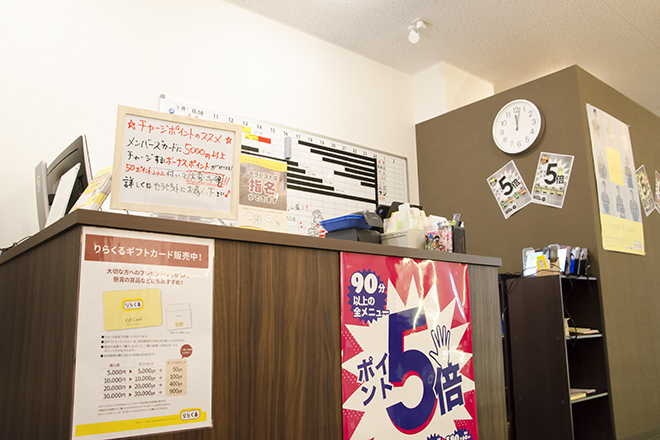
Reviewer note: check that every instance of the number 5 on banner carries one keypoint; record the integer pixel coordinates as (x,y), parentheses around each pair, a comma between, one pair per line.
(402,364)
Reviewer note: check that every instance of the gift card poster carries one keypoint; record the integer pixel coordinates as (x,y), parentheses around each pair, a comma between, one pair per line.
(406,349)
(620,222)
(509,189)
(144,334)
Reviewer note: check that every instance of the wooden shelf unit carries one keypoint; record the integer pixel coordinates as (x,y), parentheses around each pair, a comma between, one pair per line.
(544,363)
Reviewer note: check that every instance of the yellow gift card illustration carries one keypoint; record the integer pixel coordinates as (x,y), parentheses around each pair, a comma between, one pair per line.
(127,309)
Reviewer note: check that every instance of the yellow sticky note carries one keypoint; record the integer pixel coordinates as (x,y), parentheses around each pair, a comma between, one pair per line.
(542,262)
(614,165)
(127,309)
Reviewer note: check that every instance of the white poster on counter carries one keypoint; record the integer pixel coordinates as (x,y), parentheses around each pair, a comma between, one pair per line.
(144,335)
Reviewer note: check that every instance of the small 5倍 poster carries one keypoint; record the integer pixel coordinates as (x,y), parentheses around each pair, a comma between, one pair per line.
(509,189)
(551,180)
(657,190)
(645,193)
(406,349)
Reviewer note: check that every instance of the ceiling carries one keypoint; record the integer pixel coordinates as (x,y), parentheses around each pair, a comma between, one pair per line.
(505,42)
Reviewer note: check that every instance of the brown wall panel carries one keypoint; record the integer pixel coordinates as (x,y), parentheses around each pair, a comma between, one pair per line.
(288,343)
(629,283)
(38,335)
(276,364)
(487,347)
(456,154)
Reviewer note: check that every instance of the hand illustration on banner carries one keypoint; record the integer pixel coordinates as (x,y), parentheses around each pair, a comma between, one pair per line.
(406,349)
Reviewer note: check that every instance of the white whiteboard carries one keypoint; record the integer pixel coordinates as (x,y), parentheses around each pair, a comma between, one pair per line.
(326,178)
(173,164)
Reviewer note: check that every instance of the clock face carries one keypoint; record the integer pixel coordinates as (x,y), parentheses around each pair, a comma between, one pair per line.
(517,126)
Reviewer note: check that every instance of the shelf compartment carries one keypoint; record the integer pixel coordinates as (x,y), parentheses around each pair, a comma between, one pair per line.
(578,337)
(591,418)
(589,397)
(544,363)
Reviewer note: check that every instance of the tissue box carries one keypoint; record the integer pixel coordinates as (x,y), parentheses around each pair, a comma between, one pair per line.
(413,238)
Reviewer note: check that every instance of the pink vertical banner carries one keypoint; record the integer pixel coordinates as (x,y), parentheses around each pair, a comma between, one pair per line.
(406,349)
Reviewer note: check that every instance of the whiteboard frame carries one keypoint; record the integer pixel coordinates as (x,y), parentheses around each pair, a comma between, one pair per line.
(118,164)
(164,97)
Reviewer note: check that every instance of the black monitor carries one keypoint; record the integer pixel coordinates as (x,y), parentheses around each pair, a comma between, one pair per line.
(386,211)
(47,178)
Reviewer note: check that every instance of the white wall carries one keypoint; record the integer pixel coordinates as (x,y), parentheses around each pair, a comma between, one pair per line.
(430,94)
(443,88)
(464,88)
(66,65)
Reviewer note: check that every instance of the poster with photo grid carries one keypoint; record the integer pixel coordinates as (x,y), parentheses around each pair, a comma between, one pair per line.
(326,178)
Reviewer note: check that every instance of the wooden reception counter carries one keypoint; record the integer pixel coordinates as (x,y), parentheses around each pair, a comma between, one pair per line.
(276,324)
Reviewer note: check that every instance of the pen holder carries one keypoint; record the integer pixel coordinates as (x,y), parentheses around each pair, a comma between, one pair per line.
(458,239)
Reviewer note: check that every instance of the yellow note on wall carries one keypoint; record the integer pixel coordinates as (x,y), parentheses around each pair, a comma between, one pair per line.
(614,165)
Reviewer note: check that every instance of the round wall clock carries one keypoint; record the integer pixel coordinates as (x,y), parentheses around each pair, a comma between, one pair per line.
(517,126)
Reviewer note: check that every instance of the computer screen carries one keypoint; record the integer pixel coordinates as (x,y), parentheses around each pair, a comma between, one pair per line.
(47,177)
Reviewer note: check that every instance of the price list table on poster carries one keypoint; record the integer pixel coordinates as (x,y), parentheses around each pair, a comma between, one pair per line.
(176,378)
(123,383)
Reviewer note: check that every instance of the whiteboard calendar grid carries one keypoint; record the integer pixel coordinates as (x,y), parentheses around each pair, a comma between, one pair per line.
(326,178)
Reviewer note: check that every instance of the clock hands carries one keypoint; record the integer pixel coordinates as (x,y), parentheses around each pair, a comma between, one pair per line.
(517,126)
